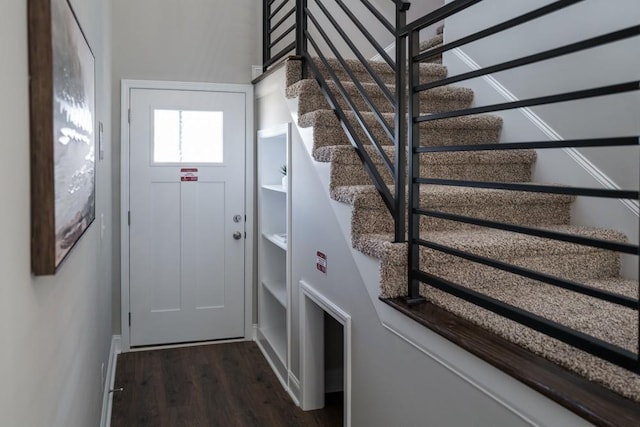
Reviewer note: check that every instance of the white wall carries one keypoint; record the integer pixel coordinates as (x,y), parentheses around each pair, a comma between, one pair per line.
(368,20)
(610,64)
(55,330)
(189,40)
(386,7)
(422,8)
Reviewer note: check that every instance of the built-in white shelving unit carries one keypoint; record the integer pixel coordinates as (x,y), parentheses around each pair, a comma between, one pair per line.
(274,224)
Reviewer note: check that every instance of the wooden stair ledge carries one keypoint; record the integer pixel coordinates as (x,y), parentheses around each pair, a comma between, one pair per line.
(587,399)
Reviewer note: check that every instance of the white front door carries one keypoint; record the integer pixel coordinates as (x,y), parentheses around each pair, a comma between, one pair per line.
(187,219)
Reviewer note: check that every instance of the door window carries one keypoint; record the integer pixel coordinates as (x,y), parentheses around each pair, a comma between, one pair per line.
(181,136)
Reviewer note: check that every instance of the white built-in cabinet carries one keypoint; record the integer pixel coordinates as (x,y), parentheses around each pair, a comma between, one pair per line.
(274,248)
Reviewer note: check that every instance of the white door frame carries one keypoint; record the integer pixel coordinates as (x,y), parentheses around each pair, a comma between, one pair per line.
(312,307)
(247,90)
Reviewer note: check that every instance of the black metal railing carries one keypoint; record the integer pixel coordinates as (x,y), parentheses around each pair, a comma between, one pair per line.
(332,51)
(417,240)
(307,37)
(323,46)
(279,31)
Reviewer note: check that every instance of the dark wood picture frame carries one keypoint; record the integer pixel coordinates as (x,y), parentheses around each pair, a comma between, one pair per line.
(62,125)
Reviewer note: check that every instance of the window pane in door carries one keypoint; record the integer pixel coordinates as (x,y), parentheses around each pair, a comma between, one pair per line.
(181,136)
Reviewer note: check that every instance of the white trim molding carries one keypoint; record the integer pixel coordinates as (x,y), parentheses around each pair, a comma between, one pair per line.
(125,90)
(294,388)
(312,374)
(110,378)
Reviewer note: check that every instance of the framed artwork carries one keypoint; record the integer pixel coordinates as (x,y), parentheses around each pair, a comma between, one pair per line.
(62,124)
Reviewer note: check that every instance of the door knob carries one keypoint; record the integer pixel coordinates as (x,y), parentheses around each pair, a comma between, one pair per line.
(237,235)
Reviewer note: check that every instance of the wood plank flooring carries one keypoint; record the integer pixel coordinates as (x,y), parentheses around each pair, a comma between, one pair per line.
(209,385)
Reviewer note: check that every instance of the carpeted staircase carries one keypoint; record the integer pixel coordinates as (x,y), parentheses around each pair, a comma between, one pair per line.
(372,225)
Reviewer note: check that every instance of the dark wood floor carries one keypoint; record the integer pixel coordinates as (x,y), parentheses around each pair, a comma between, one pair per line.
(210,385)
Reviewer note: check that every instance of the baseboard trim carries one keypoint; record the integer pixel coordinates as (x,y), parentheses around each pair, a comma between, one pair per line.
(389,50)
(277,366)
(187,344)
(544,127)
(110,378)
(294,388)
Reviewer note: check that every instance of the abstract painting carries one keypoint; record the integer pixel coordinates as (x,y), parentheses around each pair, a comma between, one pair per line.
(62,108)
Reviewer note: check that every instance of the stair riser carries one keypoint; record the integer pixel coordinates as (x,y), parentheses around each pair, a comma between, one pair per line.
(364,220)
(434,41)
(431,43)
(578,267)
(350,174)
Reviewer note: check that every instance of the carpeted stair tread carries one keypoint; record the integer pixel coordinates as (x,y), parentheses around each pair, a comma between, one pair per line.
(432,196)
(565,260)
(523,208)
(617,285)
(572,309)
(346,155)
(435,100)
(611,323)
(326,117)
(502,166)
(495,244)
(429,72)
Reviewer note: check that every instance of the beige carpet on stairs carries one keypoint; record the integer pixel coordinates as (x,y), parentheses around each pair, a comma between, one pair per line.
(372,225)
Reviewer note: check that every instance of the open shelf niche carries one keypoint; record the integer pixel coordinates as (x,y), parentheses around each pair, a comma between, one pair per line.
(274,254)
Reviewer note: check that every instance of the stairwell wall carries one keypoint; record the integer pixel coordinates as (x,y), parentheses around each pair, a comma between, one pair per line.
(55,330)
(368,20)
(385,39)
(615,167)
(609,64)
(393,383)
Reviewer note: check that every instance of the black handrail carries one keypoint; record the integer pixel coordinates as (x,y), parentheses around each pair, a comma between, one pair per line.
(532,102)
(519,20)
(343,92)
(277,9)
(538,57)
(587,343)
(565,143)
(366,33)
(383,20)
(534,188)
(394,198)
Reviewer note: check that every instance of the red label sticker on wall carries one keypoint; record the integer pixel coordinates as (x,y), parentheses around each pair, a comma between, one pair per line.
(321,262)
(188,174)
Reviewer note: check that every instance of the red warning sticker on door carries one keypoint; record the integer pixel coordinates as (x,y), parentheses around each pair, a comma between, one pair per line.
(321,262)
(188,174)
